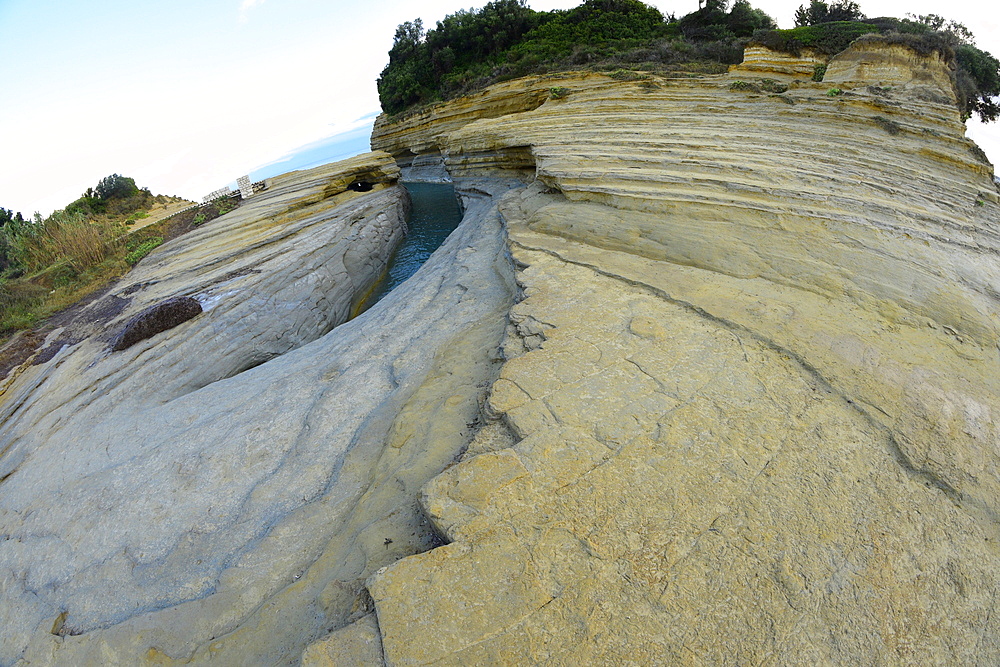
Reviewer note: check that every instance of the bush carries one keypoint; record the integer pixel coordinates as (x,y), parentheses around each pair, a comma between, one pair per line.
(143,249)
(19,302)
(925,44)
(116,187)
(819,12)
(627,75)
(712,23)
(64,238)
(772,86)
(826,38)
(977,82)
(744,87)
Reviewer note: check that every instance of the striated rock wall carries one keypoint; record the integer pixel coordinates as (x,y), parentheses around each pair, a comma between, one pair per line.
(744,409)
(759,60)
(872,61)
(158,505)
(750,396)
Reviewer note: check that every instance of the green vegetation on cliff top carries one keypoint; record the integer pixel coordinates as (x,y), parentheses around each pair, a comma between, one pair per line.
(506,39)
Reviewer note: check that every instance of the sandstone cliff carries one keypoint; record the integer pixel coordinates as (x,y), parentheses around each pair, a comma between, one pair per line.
(740,405)
(753,383)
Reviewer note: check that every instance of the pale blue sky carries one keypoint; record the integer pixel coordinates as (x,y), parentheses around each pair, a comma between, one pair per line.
(185,96)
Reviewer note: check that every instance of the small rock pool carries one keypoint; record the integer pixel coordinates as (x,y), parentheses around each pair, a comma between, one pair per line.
(434,216)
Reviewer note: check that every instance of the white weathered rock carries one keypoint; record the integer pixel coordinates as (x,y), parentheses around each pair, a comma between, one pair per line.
(153,508)
(425,169)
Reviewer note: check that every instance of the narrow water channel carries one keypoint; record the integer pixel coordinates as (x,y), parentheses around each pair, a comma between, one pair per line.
(435,214)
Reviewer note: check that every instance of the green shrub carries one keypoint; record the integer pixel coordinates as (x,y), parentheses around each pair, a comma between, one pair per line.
(116,187)
(819,12)
(772,86)
(977,82)
(833,92)
(712,23)
(143,249)
(819,71)
(68,238)
(19,303)
(825,38)
(627,75)
(744,86)
(558,92)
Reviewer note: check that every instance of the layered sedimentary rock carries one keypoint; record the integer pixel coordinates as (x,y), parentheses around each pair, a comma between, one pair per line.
(220,488)
(743,411)
(751,394)
(871,61)
(761,61)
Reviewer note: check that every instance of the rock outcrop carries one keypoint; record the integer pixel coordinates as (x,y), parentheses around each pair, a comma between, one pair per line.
(758,60)
(192,498)
(751,391)
(709,373)
(871,61)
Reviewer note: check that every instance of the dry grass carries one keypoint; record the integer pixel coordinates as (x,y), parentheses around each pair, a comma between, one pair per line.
(70,240)
(69,257)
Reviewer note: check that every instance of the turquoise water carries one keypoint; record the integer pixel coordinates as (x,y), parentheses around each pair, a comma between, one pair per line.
(435,215)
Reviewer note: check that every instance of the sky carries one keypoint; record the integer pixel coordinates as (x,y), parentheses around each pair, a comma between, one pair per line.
(187,95)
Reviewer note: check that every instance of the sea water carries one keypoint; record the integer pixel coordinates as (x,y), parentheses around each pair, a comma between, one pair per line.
(435,214)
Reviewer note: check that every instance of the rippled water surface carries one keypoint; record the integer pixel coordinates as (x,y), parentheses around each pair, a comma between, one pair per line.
(435,215)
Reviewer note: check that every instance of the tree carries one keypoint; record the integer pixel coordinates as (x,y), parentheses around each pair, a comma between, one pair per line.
(820,12)
(744,20)
(977,81)
(8,216)
(956,32)
(116,187)
(711,22)
(977,75)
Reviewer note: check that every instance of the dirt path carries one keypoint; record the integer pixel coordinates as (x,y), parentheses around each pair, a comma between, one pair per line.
(160,212)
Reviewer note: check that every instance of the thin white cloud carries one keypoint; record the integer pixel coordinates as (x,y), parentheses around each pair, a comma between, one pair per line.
(246,6)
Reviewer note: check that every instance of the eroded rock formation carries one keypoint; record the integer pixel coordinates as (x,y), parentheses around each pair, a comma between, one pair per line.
(744,409)
(166,503)
(752,385)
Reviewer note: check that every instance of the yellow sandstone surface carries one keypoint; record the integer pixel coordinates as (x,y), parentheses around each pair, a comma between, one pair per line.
(762,61)
(751,389)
